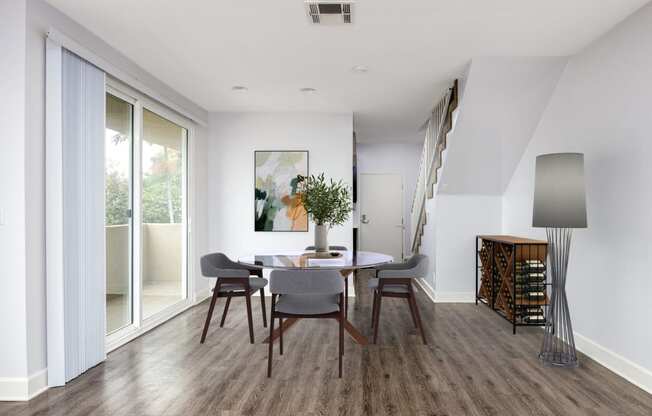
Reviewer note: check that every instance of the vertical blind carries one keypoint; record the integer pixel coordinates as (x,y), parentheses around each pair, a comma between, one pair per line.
(83,213)
(78,296)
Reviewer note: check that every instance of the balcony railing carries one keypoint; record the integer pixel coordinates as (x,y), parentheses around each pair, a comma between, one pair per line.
(162,255)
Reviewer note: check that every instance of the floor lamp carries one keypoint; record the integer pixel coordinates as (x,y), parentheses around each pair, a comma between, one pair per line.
(559,206)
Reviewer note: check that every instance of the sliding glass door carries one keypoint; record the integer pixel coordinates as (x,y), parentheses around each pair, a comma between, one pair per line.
(163,210)
(146,214)
(118,142)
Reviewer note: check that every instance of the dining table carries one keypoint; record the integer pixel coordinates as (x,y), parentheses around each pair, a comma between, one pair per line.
(345,262)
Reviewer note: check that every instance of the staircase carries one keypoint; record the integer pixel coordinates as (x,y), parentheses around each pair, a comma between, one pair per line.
(434,144)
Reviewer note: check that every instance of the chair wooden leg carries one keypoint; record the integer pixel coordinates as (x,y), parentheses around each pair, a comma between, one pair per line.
(377,317)
(249,320)
(262,304)
(271,346)
(414,317)
(341,323)
(373,308)
(280,337)
(226,310)
(216,292)
(346,297)
(413,300)
(356,305)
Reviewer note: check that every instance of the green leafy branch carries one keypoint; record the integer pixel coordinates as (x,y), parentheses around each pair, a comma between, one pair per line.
(327,201)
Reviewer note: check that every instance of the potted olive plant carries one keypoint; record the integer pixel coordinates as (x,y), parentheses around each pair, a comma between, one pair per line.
(327,202)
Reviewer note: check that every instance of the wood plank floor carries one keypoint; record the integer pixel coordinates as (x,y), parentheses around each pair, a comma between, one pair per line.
(472,366)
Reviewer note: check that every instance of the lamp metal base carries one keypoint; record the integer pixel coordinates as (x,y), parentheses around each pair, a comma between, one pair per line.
(558,348)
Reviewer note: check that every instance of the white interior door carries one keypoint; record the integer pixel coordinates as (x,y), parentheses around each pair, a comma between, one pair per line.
(381,214)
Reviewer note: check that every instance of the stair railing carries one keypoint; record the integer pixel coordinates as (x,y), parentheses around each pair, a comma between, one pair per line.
(434,143)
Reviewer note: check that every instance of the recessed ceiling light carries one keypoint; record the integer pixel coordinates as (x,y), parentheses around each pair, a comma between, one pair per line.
(239,88)
(361,69)
(308,90)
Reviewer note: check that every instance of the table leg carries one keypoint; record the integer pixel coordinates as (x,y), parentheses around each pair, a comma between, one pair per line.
(355,334)
(287,322)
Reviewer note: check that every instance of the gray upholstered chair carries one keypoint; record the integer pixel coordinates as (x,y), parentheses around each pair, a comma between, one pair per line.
(233,280)
(346,278)
(395,280)
(306,294)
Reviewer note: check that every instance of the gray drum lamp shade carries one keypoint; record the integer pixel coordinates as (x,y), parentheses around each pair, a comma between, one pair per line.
(559,195)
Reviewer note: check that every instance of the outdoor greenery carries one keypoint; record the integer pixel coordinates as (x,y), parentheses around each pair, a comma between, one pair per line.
(328,202)
(117,199)
(162,189)
(161,186)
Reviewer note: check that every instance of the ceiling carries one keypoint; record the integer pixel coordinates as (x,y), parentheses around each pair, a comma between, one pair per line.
(412,48)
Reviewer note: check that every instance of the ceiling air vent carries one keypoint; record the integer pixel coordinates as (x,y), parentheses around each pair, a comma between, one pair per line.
(325,12)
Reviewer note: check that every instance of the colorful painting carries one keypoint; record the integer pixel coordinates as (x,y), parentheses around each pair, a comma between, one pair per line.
(277,202)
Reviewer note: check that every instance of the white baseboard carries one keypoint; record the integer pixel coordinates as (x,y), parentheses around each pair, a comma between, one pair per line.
(630,371)
(202,295)
(445,297)
(427,289)
(454,297)
(38,383)
(23,388)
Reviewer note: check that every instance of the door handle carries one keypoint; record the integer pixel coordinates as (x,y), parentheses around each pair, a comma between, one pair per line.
(364,219)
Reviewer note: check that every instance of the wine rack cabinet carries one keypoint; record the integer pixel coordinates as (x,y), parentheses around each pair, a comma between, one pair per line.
(511,278)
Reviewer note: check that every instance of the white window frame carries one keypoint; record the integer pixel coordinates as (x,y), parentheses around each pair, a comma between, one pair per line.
(135,127)
(139,324)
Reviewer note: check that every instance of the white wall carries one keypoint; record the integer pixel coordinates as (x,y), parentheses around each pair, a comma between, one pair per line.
(394,158)
(429,241)
(23,26)
(458,219)
(13,343)
(602,107)
(502,103)
(233,139)
(200,225)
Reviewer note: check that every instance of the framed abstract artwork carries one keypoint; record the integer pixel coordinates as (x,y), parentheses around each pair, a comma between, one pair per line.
(277,203)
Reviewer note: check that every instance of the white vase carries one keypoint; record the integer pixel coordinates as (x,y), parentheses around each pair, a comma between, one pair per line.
(321,238)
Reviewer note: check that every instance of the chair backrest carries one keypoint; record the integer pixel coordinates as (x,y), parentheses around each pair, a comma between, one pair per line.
(304,282)
(418,264)
(211,264)
(334,248)
(415,266)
